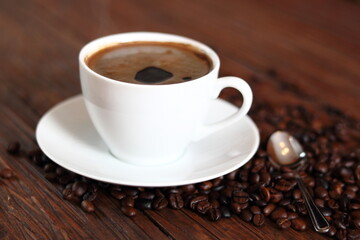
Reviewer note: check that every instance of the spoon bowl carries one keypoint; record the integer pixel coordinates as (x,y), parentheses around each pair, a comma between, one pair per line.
(284,150)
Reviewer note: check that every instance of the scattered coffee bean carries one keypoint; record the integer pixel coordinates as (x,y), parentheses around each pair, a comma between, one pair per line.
(214,214)
(240,197)
(255,210)
(278,213)
(331,232)
(90,196)
(258,220)
(176,201)
(283,223)
(79,188)
(128,211)
(196,200)
(87,206)
(269,209)
(128,202)
(246,215)
(159,203)
(117,194)
(265,193)
(298,224)
(203,206)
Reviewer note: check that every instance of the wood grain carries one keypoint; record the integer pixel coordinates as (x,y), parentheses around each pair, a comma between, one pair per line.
(292,52)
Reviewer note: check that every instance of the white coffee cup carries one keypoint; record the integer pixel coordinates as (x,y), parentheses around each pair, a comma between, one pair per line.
(154,124)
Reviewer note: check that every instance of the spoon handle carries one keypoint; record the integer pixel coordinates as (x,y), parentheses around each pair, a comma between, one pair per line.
(317,218)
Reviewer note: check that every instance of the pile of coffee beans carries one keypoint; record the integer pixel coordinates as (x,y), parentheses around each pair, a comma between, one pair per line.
(257,190)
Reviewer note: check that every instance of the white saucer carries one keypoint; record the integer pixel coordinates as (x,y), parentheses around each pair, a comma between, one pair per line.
(67,136)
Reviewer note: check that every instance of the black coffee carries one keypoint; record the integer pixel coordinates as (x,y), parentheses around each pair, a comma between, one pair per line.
(150,62)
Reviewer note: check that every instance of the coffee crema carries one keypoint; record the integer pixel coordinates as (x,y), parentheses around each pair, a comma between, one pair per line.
(150,62)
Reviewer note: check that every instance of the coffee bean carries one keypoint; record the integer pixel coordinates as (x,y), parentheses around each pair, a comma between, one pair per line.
(298,224)
(65,179)
(196,200)
(51,176)
(258,220)
(50,167)
(90,196)
(214,203)
(128,201)
(117,194)
(147,195)
(297,194)
(254,197)
(264,193)
(275,196)
(159,203)
(288,175)
(79,188)
(60,171)
(246,215)
(70,196)
(321,192)
(175,201)
(254,178)
(231,175)
(13,148)
(131,192)
(265,177)
(284,185)
(214,214)
(128,211)
(143,203)
(188,188)
(319,202)
(268,209)
(87,206)
(255,210)
(291,208)
(292,215)
(283,223)
(278,213)
(203,206)
(332,204)
(66,193)
(207,185)
(236,207)
(332,231)
(240,197)
(6,173)
(284,202)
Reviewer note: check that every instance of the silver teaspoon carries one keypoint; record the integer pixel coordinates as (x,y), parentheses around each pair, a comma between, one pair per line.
(284,150)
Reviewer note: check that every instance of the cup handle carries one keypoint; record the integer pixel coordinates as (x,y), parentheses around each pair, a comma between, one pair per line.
(244,89)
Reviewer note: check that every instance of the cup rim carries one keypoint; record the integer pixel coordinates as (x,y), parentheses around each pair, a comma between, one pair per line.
(108,40)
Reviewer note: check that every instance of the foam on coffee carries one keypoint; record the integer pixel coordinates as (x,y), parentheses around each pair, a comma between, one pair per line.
(150,62)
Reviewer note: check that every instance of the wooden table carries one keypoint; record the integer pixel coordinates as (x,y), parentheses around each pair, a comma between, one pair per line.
(288,51)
